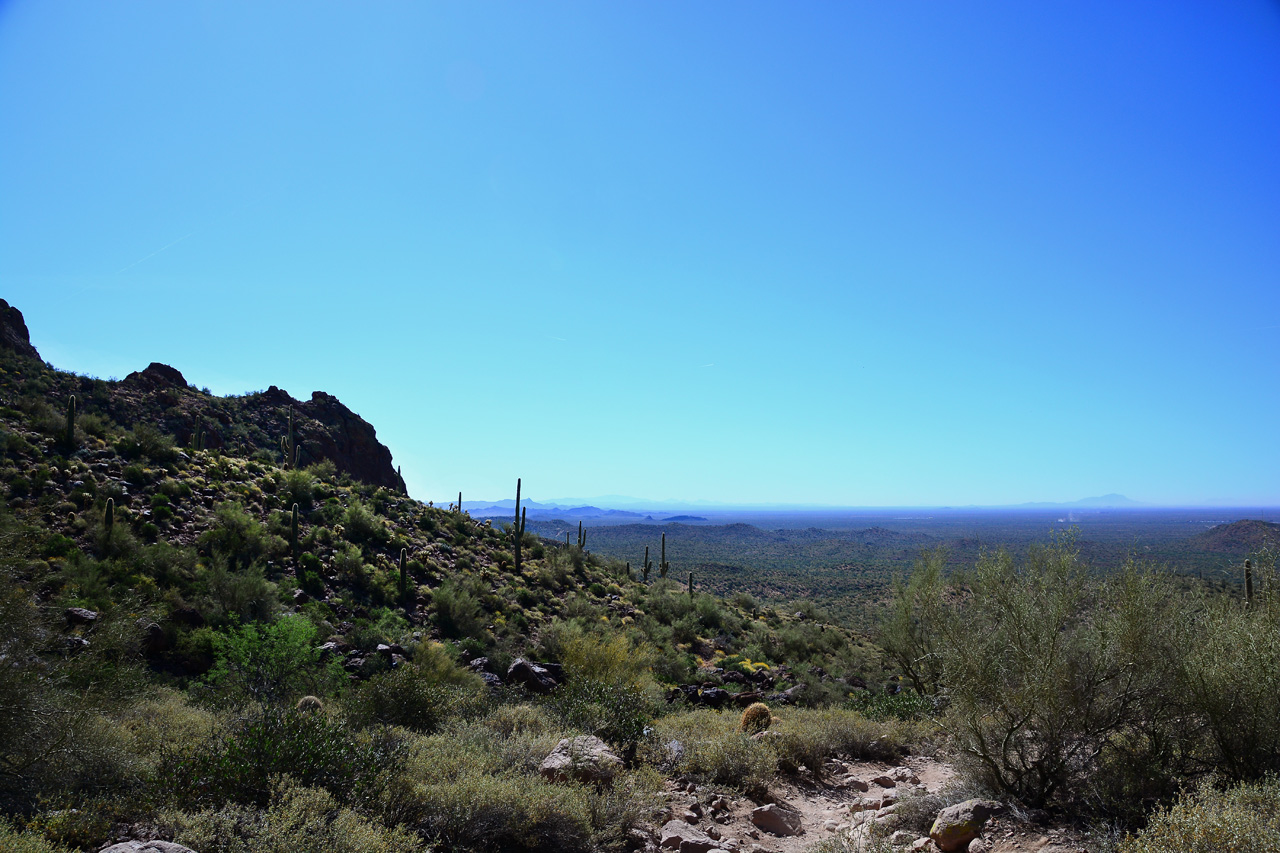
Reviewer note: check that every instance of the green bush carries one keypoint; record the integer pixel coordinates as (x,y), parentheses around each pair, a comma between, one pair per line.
(273,663)
(297,818)
(13,841)
(477,812)
(706,746)
(240,764)
(411,697)
(1243,818)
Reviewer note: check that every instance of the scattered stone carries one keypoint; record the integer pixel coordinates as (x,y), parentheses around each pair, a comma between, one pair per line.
(677,835)
(585,758)
(147,847)
(81,616)
(777,820)
(901,838)
(531,676)
(979,845)
(957,825)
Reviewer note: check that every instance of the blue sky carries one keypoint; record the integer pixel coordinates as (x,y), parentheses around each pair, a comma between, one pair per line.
(856,253)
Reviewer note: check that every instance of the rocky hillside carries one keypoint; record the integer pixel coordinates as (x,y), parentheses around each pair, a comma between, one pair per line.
(203,534)
(1239,538)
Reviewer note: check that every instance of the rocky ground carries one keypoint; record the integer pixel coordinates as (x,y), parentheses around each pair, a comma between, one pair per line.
(853,805)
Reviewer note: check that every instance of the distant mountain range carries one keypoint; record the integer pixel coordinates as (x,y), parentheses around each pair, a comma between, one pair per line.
(619,507)
(1102,501)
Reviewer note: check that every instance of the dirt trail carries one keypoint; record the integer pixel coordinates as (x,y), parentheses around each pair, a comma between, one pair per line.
(847,794)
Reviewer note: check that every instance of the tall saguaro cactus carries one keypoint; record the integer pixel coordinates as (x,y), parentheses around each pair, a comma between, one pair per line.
(71,423)
(459,503)
(517,528)
(109,518)
(1248,583)
(663,565)
(582,537)
(293,540)
(690,586)
(289,444)
(647,565)
(404,574)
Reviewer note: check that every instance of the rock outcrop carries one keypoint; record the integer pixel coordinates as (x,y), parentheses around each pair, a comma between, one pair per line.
(13,331)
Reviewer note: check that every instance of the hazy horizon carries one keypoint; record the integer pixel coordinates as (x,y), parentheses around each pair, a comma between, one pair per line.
(856,255)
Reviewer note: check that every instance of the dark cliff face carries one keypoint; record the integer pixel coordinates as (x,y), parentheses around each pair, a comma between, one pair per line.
(13,331)
(323,428)
(160,396)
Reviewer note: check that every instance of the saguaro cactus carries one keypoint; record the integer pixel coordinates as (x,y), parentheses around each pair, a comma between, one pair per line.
(647,565)
(1248,583)
(109,518)
(71,423)
(404,573)
(663,565)
(690,585)
(517,528)
(459,503)
(289,444)
(293,540)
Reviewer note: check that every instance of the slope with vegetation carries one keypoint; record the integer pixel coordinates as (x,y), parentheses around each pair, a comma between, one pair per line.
(259,642)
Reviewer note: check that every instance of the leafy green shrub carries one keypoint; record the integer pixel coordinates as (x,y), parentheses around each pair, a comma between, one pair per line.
(238,538)
(811,736)
(706,746)
(458,611)
(274,663)
(297,818)
(146,442)
(361,526)
(1246,817)
(1053,674)
(227,596)
(616,712)
(298,487)
(479,812)
(1232,677)
(409,696)
(13,841)
(239,764)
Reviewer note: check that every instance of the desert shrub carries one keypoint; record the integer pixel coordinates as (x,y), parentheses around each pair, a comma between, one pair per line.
(240,763)
(1246,817)
(297,487)
(14,841)
(273,663)
(1231,674)
(881,705)
(415,698)
(480,812)
(226,595)
(361,526)
(297,818)
(237,538)
(146,442)
(614,711)
(519,719)
(912,630)
(458,611)
(706,746)
(811,736)
(1053,673)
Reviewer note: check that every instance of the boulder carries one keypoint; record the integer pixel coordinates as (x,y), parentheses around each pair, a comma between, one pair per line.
(957,825)
(81,616)
(678,835)
(585,759)
(530,676)
(777,820)
(147,847)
